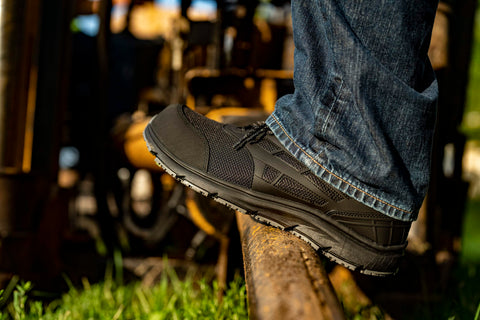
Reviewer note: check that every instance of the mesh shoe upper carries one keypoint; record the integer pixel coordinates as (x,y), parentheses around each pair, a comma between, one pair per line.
(234,166)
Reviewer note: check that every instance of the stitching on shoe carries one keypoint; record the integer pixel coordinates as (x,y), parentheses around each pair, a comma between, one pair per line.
(333,174)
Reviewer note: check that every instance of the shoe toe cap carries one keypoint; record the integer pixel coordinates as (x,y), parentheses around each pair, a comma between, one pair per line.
(179,138)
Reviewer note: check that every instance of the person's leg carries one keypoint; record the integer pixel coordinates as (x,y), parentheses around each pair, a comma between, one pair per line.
(348,157)
(362,115)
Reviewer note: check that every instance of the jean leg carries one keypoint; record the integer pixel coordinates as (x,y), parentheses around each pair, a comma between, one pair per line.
(363,111)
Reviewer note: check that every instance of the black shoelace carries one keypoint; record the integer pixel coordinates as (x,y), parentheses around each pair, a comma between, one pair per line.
(254,133)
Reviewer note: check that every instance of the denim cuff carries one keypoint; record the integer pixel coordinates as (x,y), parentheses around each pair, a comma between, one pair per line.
(346,184)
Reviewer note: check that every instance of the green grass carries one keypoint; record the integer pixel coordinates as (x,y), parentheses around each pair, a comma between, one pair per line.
(170,298)
(471,120)
(471,235)
(461,302)
(464,302)
(471,127)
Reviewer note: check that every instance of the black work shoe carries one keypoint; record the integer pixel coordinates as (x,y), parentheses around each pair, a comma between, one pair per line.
(248,170)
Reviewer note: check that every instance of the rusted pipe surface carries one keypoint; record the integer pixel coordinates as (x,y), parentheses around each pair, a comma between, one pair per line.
(285,277)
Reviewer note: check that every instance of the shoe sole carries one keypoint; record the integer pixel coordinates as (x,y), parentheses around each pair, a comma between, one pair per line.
(326,237)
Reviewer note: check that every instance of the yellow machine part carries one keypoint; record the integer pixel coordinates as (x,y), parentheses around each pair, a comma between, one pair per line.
(219,114)
(135,148)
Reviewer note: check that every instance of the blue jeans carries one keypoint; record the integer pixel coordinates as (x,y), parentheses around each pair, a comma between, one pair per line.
(363,112)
